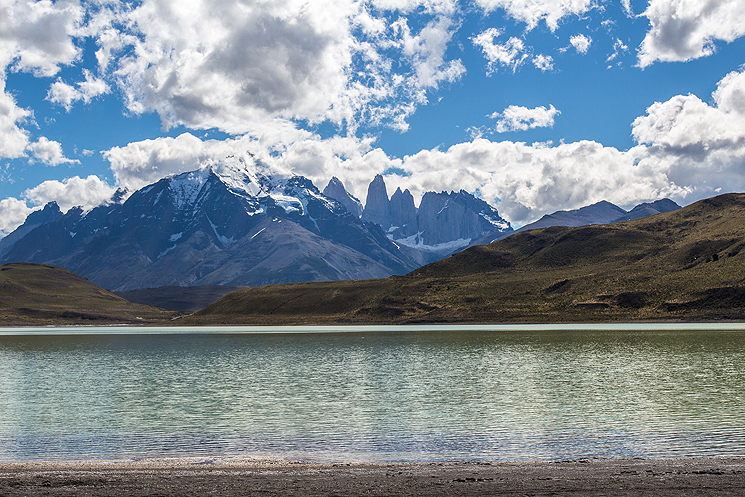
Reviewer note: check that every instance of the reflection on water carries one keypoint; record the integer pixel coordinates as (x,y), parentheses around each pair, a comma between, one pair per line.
(385,396)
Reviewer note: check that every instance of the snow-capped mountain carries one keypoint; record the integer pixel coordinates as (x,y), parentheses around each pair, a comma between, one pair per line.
(230,225)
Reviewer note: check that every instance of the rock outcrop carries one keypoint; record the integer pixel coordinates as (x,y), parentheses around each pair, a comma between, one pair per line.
(377,206)
(443,224)
(335,189)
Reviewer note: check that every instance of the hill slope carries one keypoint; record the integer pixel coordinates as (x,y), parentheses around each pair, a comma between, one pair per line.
(40,294)
(688,264)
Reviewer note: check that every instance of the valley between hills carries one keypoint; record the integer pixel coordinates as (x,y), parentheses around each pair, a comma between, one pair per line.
(684,265)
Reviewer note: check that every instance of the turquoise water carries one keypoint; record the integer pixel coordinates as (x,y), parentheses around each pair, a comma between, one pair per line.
(372,393)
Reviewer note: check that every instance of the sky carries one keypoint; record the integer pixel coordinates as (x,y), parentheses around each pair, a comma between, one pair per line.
(532,105)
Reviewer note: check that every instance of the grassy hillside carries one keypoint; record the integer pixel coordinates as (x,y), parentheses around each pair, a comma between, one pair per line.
(40,294)
(682,265)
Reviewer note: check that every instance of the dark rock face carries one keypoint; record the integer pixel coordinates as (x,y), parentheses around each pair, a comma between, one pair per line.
(50,213)
(224,227)
(335,189)
(448,217)
(377,206)
(403,215)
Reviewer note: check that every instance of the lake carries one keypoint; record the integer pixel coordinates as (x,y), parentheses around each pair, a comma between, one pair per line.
(373,394)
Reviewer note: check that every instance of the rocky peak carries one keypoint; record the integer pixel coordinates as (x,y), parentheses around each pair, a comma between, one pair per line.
(51,212)
(457,217)
(335,189)
(377,205)
(403,214)
(649,209)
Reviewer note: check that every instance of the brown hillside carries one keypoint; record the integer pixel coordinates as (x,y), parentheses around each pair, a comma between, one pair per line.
(682,265)
(40,294)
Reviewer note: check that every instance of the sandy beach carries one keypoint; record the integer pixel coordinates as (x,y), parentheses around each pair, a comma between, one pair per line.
(208,477)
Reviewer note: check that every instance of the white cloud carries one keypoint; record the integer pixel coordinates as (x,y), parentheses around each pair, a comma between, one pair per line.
(141,163)
(37,36)
(510,54)
(13,138)
(686,149)
(426,50)
(581,43)
(12,214)
(532,12)
(683,30)
(48,152)
(239,67)
(15,141)
(517,118)
(618,48)
(627,8)
(76,191)
(66,95)
(701,145)
(544,62)
(532,180)
(730,93)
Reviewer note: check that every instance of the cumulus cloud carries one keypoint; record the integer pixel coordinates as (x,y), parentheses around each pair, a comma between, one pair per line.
(686,149)
(511,54)
(683,30)
(48,152)
(702,145)
(427,49)
(237,67)
(544,62)
(12,214)
(532,12)
(517,118)
(13,138)
(581,43)
(531,180)
(141,163)
(626,4)
(37,37)
(66,95)
(76,191)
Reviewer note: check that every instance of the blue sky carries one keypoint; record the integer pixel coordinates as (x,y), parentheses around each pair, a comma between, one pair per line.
(535,105)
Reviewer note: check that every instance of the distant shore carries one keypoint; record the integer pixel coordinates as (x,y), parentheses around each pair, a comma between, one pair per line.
(223,477)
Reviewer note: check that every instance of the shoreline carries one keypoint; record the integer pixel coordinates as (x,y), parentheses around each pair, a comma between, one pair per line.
(229,329)
(214,476)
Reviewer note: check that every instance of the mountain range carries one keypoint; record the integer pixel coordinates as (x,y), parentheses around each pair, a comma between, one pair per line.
(238,224)
(233,224)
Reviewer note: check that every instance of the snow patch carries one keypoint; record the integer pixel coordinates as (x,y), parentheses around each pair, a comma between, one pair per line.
(257,233)
(166,251)
(185,188)
(289,204)
(176,236)
(227,242)
(499,223)
(415,241)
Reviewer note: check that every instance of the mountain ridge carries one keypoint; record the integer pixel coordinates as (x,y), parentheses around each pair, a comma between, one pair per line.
(214,226)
